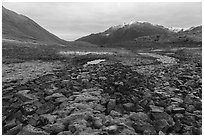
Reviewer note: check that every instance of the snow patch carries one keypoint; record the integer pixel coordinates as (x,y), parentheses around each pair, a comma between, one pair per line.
(177,29)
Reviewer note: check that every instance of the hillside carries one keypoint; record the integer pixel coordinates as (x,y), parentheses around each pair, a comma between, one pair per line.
(144,32)
(19,27)
(192,35)
(126,32)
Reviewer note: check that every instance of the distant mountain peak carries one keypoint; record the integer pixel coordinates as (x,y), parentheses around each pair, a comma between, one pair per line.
(131,23)
(142,23)
(125,32)
(137,29)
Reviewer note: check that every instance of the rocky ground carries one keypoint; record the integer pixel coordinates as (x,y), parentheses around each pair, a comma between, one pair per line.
(106,98)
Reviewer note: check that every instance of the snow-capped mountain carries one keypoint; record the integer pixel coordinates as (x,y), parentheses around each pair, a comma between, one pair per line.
(136,29)
(126,31)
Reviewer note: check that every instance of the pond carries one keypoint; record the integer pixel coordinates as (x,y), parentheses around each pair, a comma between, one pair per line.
(94,62)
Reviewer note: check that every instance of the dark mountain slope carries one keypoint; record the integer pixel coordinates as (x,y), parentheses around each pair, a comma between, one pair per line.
(192,35)
(126,32)
(143,32)
(19,27)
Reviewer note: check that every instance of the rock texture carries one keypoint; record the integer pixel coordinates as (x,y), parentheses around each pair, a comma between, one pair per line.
(106,98)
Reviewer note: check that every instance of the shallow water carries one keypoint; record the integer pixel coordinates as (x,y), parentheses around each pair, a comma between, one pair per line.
(84,53)
(96,61)
(93,62)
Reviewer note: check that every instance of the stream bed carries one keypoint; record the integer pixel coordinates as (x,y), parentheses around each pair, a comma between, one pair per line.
(161,58)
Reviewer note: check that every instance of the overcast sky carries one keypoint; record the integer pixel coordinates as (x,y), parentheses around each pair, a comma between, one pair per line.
(70,21)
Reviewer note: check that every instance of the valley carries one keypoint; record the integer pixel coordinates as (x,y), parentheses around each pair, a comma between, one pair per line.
(126,93)
(123,85)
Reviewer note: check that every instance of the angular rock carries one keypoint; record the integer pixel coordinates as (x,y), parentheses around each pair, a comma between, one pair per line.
(119,108)
(100,108)
(10,124)
(23,95)
(176,90)
(86,98)
(138,116)
(177,100)
(189,120)
(156,108)
(196,131)
(178,116)
(128,131)
(164,115)
(114,113)
(187,130)
(112,129)
(28,109)
(108,120)
(76,116)
(188,99)
(161,125)
(111,105)
(49,91)
(78,126)
(37,104)
(50,118)
(33,121)
(23,119)
(3,118)
(90,131)
(169,109)
(65,133)
(54,128)
(65,83)
(61,99)
(105,98)
(98,123)
(149,132)
(55,95)
(166,84)
(30,130)
(140,126)
(45,108)
(129,106)
(124,121)
(16,105)
(15,130)
(190,108)
(80,106)
(178,110)
(198,105)
(161,133)
(178,126)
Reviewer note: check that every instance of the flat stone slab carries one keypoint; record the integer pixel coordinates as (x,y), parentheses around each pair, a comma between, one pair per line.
(156,108)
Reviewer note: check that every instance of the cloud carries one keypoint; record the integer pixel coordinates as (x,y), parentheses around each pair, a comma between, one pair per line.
(74,20)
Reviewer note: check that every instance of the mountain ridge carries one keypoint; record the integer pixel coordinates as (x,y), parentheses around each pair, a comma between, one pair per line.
(136,29)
